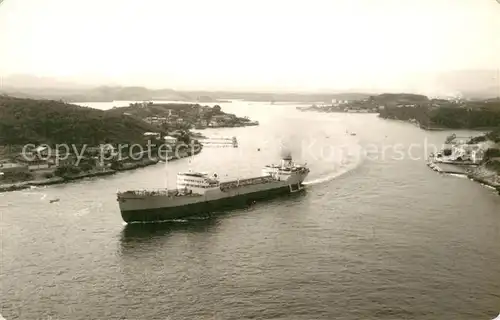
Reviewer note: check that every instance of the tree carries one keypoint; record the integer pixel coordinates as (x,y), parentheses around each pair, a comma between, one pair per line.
(492,153)
(184,138)
(67,170)
(85,167)
(115,165)
(216,109)
(494,135)
(165,127)
(25,121)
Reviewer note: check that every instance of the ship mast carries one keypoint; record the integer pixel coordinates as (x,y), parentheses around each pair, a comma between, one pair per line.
(191,155)
(238,167)
(166,173)
(238,170)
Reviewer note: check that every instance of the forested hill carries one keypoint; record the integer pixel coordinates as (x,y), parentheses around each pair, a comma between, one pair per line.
(399,98)
(438,113)
(25,121)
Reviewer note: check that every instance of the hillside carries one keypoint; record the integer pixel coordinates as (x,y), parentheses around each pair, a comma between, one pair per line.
(25,121)
(457,118)
(393,99)
(157,109)
(489,171)
(438,113)
(175,116)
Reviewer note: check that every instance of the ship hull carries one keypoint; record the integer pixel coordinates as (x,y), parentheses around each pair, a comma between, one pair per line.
(202,207)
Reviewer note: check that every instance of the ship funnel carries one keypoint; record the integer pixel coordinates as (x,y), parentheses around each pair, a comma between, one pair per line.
(286,157)
(286,161)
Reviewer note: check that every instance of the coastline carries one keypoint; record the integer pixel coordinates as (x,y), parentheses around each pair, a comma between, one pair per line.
(106,172)
(479,174)
(437,128)
(485,177)
(336,110)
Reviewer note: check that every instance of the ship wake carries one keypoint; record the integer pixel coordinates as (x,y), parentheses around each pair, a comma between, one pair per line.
(331,176)
(340,168)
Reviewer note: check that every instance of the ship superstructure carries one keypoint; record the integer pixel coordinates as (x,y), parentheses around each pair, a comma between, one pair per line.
(199,193)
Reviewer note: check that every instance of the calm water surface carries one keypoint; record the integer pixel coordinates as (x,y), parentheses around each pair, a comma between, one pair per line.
(373,237)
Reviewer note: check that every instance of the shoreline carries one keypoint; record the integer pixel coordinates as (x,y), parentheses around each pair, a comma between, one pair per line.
(437,128)
(321,110)
(478,174)
(485,177)
(484,182)
(8,187)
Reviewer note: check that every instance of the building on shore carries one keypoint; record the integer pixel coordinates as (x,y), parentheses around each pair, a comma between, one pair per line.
(170,140)
(459,149)
(155,135)
(477,156)
(156,120)
(8,168)
(108,149)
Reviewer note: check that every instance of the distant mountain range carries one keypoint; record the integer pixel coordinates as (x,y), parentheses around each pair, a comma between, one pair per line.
(45,88)
(30,82)
(479,84)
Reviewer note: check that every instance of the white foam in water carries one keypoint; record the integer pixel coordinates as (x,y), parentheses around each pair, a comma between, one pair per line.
(349,163)
(343,170)
(458,175)
(321,180)
(492,188)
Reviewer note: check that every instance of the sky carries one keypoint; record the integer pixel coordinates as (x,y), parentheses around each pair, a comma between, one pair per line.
(253,44)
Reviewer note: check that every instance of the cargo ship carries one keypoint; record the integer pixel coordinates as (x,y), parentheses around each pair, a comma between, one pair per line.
(199,193)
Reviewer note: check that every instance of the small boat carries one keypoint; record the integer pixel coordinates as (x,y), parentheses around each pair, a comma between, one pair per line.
(54,200)
(350,133)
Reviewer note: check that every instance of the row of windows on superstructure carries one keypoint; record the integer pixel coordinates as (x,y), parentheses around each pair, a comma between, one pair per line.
(192,185)
(191,180)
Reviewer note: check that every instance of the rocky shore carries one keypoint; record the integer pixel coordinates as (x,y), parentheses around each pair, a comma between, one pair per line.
(91,174)
(481,173)
(485,176)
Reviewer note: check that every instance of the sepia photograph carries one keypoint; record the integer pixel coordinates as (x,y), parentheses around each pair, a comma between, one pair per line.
(227,160)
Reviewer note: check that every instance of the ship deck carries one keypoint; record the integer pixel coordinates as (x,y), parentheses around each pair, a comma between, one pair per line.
(156,193)
(245,182)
